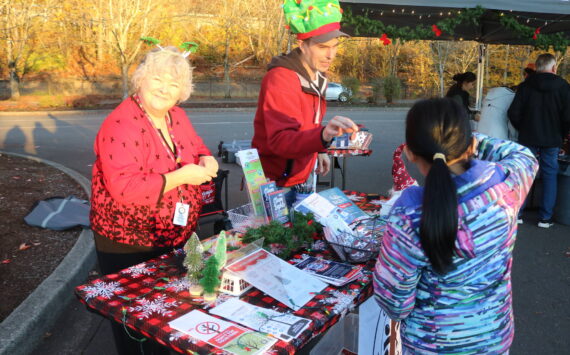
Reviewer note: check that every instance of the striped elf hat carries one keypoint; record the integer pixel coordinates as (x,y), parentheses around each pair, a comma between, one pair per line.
(315,19)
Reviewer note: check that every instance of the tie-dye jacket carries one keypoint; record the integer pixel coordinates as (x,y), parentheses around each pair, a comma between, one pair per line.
(469,309)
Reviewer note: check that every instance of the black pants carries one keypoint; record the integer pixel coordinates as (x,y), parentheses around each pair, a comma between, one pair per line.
(110,263)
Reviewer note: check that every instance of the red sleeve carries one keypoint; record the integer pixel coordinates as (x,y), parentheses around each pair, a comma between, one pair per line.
(119,149)
(283,113)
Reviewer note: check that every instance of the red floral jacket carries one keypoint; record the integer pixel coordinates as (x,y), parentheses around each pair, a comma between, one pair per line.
(127,204)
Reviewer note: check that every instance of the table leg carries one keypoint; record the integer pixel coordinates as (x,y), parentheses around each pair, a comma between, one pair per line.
(343,173)
(333,167)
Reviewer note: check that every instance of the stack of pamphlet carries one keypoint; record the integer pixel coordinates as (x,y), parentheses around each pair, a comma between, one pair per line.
(331,272)
(352,233)
(266,199)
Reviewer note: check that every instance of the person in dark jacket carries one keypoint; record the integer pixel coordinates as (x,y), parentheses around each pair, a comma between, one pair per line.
(460,92)
(541,113)
(288,133)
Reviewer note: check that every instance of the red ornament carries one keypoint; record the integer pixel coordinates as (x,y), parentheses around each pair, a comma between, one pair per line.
(311,7)
(385,40)
(436,30)
(536,33)
(287,27)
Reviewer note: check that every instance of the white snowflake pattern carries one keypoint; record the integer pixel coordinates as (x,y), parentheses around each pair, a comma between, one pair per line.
(138,270)
(102,289)
(377,202)
(178,285)
(342,301)
(175,335)
(355,197)
(158,305)
(373,213)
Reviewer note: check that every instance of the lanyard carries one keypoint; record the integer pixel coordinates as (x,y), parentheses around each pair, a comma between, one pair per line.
(174,155)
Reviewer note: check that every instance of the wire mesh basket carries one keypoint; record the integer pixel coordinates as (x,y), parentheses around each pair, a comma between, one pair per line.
(243,217)
(354,254)
(359,245)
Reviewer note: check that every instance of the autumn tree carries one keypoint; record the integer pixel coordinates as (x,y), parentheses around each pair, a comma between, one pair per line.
(20,24)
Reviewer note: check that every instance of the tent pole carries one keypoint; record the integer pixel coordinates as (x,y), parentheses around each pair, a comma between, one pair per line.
(480,75)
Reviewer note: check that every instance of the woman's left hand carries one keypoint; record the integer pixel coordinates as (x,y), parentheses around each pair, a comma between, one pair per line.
(209,163)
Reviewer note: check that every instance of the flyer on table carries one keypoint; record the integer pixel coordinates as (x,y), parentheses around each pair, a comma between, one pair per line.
(224,335)
(277,278)
(284,326)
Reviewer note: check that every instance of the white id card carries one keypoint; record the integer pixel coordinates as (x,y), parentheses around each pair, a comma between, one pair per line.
(181,214)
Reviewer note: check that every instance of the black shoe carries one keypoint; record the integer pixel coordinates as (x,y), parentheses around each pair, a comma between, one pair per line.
(545,223)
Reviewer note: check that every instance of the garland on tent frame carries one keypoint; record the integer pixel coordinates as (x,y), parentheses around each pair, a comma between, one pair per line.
(364,24)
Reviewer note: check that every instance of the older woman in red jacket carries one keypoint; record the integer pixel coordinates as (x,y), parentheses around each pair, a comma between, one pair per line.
(150,163)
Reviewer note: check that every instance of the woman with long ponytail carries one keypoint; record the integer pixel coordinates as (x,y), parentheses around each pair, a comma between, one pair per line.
(444,266)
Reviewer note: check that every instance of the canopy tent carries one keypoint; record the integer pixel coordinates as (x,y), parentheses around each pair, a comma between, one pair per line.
(541,23)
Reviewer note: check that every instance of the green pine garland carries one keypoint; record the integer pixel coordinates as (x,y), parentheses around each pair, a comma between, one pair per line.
(299,235)
(543,41)
(364,24)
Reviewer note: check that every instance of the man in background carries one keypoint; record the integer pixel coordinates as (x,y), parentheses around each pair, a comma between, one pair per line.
(540,112)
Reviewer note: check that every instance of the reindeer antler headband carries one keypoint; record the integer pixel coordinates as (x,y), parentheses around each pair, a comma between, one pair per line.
(187,47)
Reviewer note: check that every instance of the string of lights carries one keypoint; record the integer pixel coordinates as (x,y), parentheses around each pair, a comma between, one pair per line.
(528,29)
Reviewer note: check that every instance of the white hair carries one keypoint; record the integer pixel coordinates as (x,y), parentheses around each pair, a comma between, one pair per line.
(166,60)
(545,62)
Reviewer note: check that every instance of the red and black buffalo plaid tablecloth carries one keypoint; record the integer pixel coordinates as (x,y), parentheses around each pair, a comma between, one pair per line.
(146,297)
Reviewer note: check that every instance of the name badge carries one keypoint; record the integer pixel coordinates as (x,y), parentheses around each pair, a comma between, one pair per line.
(181,214)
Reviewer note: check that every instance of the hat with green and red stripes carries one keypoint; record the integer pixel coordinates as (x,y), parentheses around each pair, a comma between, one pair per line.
(315,19)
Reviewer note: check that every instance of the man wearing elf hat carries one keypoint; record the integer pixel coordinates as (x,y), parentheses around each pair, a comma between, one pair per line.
(287,128)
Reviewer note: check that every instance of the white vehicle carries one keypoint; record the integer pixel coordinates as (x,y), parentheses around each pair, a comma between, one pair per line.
(337,92)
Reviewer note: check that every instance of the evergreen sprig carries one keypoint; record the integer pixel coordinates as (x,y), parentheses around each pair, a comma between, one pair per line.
(558,41)
(291,238)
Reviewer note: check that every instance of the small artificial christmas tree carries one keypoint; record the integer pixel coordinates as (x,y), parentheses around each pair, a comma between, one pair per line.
(210,279)
(221,250)
(194,264)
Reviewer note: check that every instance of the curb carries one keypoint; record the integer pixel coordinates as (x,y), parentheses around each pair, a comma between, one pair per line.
(23,329)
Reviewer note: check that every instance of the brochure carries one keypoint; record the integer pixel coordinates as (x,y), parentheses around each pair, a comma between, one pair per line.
(332,272)
(278,210)
(319,206)
(277,278)
(227,336)
(265,189)
(349,212)
(254,177)
(284,326)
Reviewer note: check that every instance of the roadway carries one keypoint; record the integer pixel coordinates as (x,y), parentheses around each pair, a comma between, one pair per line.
(541,271)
